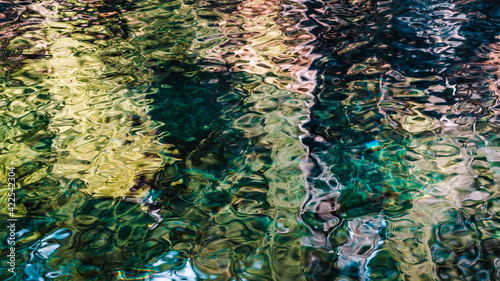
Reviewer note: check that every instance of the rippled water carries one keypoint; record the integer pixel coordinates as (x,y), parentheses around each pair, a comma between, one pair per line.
(251,139)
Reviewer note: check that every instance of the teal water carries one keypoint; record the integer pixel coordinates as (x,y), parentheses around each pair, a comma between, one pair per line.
(250,139)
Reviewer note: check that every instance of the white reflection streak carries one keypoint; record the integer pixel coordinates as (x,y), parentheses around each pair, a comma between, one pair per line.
(186,273)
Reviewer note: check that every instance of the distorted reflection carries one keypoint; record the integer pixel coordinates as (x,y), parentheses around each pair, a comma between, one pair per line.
(252,139)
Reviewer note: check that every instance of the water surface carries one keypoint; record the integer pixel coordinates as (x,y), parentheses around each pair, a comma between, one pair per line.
(251,140)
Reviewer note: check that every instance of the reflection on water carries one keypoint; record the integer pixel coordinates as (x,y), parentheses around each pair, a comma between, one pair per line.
(251,140)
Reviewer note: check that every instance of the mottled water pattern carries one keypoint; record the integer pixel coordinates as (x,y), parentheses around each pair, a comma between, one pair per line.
(251,139)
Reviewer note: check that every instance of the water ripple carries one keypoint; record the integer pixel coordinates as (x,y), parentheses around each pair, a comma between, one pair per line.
(256,140)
